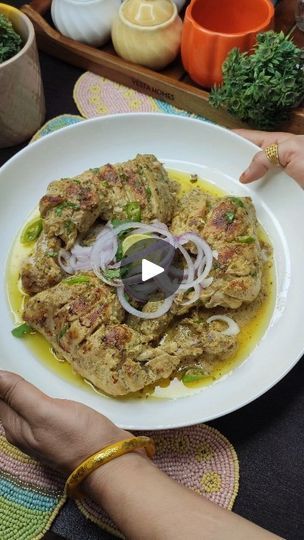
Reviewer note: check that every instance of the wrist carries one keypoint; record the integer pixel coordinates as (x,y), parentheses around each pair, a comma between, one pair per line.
(116,474)
(90,447)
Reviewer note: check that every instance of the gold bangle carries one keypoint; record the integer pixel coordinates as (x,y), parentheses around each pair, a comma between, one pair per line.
(272,154)
(102,457)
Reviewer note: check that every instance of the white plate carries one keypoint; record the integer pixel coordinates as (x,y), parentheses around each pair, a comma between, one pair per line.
(183,144)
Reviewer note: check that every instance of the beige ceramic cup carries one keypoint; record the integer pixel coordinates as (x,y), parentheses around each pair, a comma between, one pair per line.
(22,107)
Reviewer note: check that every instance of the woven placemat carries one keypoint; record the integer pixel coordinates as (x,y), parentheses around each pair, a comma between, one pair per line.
(96,96)
(31,494)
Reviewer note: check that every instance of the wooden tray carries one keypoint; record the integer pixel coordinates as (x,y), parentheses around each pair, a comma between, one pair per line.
(171,85)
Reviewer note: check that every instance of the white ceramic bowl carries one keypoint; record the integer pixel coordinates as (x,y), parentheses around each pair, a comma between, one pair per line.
(88,21)
(185,144)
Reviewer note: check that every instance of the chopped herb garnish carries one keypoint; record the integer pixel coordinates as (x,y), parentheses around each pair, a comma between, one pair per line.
(148,193)
(112,273)
(133,211)
(119,252)
(193,375)
(66,204)
(246,239)
(52,253)
(117,222)
(63,331)
(230,217)
(22,330)
(32,231)
(193,178)
(237,201)
(69,225)
(95,170)
(59,208)
(75,280)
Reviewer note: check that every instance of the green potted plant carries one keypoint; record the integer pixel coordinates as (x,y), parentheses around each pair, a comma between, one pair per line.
(22,107)
(263,87)
(10,42)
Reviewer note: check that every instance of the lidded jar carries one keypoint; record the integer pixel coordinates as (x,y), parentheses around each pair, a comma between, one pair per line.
(147,32)
(88,21)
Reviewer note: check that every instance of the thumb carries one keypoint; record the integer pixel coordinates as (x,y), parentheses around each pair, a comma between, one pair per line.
(260,163)
(259,166)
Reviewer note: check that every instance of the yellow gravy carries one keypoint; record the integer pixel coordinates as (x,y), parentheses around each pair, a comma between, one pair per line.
(253,319)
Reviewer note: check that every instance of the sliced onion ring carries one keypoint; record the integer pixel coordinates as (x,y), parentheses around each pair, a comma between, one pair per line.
(233,328)
(166,305)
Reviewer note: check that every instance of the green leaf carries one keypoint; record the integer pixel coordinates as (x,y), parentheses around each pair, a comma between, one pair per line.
(148,193)
(22,330)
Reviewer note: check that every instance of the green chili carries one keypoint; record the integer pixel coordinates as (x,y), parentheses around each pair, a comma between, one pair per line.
(32,231)
(193,375)
(246,239)
(230,217)
(133,211)
(22,330)
(75,280)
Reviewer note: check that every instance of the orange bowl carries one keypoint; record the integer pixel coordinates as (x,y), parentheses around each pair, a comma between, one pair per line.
(213,27)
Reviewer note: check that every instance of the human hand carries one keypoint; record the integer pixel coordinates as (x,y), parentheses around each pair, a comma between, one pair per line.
(290,149)
(58,432)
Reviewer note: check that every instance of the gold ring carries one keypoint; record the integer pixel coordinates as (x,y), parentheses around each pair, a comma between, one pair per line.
(272,153)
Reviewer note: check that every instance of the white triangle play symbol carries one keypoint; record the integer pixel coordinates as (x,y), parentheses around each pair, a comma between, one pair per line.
(150,270)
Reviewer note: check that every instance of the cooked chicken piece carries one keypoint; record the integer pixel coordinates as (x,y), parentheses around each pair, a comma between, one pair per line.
(231,230)
(151,329)
(190,213)
(71,311)
(83,320)
(140,185)
(139,188)
(154,329)
(41,271)
(71,206)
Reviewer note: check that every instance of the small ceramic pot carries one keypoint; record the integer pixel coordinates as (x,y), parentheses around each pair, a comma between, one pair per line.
(22,107)
(88,21)
(147,32)
(213,27)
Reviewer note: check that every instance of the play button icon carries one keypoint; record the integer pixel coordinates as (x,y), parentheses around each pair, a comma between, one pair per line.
(150,270)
